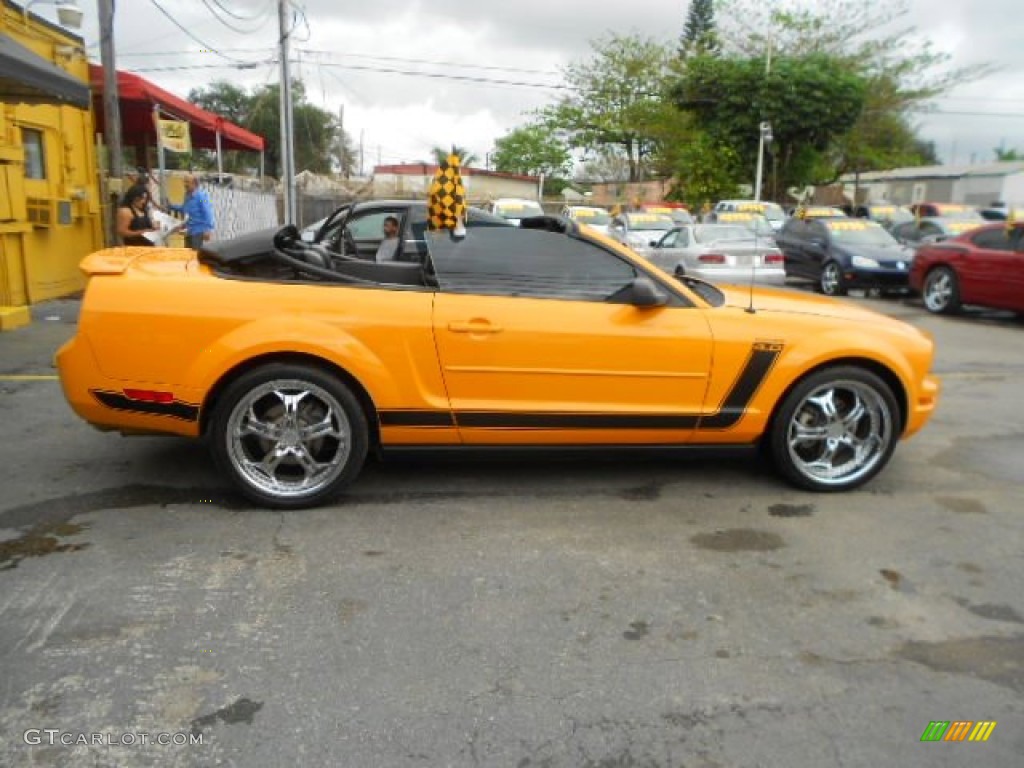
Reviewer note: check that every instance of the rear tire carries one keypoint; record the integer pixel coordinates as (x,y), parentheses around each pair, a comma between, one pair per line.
(289,436)
(835,430)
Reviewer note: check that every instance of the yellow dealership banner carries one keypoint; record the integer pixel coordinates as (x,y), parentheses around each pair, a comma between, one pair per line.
(174,135)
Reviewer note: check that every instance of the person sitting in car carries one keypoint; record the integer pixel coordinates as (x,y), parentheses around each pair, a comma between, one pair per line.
(388,248)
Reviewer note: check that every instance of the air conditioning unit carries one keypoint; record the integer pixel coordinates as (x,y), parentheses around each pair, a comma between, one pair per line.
(46,212)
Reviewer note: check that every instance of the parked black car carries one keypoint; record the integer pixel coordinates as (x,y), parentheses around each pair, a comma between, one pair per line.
(841,253)
(356,229)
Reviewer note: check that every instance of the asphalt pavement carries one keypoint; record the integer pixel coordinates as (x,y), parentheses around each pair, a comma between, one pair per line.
(648,611)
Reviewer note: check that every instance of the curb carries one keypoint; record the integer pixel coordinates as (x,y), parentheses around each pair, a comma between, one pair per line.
(14,317)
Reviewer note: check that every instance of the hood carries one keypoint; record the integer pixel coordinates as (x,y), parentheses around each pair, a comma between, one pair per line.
(880,253)
(790,302)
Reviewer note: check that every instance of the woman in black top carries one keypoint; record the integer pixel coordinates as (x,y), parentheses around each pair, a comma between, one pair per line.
(133,217)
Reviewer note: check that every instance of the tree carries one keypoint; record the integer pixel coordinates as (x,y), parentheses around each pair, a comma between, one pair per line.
(614,99)
(224,99)
(466,156)
(706,171)
(872,40)
(532,150)
(699,36)
(809,101)
(1007,155)
(320,145)
(606,165)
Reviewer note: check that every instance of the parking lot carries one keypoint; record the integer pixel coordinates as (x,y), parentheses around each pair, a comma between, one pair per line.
(652,610)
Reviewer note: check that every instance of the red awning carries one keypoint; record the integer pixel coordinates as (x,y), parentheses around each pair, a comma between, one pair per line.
(137,96)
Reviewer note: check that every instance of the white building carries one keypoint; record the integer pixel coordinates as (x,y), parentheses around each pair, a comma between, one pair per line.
(414,180)
(979,185)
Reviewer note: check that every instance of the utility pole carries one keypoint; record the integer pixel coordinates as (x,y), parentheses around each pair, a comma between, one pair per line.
(111,103)
(765,130)
(344,144)
(287,125)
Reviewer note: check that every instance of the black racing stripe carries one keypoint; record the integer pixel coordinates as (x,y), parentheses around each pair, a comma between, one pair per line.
(508,420)
(416,419)
(762,359)
(176,410)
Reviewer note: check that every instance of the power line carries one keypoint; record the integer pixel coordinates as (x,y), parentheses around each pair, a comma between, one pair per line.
(383,70)
(967,114)
(435,62)
(444,76)
(206,46)
(267,9)
(190,53)
(213,5)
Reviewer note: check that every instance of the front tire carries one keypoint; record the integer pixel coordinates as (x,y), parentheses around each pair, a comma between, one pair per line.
(941,291)
(289,436)
(831,281)
(835,430)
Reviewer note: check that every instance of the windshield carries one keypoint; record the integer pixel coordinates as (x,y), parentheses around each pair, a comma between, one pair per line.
(859,233)
(518,210)
(594,216)
(958,226)
(958,212)
(650,222)
(891,213)
(712,232)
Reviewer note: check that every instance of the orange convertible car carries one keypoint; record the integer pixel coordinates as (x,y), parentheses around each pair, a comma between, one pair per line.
(294,360)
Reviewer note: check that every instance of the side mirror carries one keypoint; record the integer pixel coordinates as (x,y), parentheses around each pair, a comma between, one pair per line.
(654,243)
(644,293)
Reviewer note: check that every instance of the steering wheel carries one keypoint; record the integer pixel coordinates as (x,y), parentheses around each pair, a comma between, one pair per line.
(286,237)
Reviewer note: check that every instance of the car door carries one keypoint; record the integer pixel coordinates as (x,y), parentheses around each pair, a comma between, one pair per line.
(669,250)
(816,248)
(536,347)
(990,273)
(791,242)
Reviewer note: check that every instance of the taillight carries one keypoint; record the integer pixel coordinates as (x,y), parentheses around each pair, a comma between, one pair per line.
(149,396)
(773,258)
(712,258)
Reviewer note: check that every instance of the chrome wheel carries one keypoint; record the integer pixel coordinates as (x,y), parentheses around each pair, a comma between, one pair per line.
(940,291)
(836,429)
(289,436)
(832,280)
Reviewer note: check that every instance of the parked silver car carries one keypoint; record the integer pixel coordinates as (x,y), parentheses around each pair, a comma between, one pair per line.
(592,216)
(514,209)
(639,230)
(771,211)
(723,253)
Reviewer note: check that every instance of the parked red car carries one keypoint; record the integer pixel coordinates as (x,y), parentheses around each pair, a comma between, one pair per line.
(983,266)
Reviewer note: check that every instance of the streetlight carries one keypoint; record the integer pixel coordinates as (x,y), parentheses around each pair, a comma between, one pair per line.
(766,138)
(68,13)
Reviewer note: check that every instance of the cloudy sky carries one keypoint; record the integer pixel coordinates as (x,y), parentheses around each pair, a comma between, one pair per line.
(411,74)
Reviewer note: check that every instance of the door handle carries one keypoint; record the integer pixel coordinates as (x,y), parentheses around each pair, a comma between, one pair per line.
(474,326)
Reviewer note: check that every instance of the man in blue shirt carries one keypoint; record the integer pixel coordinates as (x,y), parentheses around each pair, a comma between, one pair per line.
(197,206)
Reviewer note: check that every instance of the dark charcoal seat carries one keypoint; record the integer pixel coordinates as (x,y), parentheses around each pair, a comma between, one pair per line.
(386,272)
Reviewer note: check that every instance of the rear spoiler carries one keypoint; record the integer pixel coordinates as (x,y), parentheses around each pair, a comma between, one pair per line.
(112,261)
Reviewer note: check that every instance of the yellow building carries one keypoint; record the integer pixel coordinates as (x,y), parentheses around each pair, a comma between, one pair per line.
(50,204)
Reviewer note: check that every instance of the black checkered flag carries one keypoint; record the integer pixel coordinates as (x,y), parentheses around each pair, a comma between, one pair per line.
(446,206)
